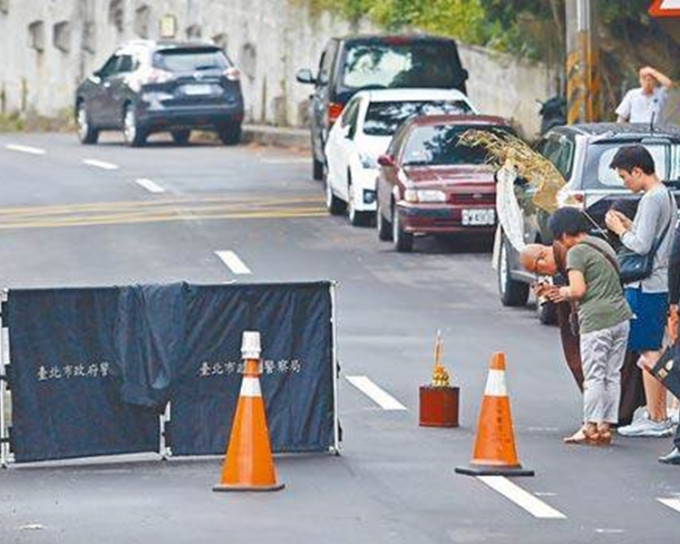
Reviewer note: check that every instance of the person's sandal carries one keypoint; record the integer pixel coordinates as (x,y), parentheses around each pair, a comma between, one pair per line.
(604,437)
(582,437)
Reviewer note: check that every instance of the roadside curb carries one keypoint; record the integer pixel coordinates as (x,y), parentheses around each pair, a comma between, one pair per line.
(276,136)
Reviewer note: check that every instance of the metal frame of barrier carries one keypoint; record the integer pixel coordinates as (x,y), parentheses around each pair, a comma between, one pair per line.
(165,449)
(4,358)
(336,370)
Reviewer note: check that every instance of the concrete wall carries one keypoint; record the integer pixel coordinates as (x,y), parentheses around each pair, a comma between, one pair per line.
(504,85)
(48,46)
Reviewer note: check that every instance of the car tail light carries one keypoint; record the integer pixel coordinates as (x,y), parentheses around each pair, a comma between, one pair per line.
(232,74)
(334,111)
(573,199)
(156,75)
(148,77)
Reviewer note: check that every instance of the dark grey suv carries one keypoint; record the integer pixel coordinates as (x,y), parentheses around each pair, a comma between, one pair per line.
(161,86)
(353,63)
(582,153)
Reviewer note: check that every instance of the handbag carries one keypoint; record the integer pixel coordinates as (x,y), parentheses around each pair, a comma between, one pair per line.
(667,372)
(635,267)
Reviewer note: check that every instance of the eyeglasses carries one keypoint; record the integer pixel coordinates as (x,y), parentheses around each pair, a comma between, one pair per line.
(539,258)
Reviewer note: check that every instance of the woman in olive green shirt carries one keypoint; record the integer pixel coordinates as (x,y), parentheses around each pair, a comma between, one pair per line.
(603,318)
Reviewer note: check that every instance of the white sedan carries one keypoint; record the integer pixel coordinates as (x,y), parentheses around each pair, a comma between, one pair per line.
(362,134)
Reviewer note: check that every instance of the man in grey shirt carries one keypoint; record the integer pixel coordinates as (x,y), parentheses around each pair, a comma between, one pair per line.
(654,222)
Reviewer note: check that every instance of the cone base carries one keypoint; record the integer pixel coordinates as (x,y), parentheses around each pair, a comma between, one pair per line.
(489,470)
(230,487)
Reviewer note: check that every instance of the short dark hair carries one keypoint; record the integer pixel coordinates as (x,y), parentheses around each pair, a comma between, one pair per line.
(633,156)
(567,221)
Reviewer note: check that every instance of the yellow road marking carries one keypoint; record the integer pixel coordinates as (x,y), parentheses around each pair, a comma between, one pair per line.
(283,213)
(103,206)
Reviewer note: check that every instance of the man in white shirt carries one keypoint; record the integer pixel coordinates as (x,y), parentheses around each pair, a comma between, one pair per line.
(643,104)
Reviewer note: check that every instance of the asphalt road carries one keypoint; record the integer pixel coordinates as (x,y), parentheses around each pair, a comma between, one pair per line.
(66,222)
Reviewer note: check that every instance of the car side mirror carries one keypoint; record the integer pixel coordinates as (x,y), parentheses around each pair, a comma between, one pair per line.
(96,76)
(386,160)
(304,75)
(464,74)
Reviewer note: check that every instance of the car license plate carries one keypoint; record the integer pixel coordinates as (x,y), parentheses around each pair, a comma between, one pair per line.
(194,90)
(479,217)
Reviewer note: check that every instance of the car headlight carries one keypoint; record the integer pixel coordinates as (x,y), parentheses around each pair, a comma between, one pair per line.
(368,161)
(424,195)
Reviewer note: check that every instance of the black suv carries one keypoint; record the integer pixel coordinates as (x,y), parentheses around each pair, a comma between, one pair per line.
(582,153)
(353,63)
(157,86)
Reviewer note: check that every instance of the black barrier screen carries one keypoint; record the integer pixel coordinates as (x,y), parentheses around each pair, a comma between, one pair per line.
(65,381)
(297,370)
(92,369)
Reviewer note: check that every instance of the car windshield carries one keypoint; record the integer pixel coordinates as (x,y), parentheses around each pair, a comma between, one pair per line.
(384,118)
(190,60)
(414,64)
(438,145)
(599,156)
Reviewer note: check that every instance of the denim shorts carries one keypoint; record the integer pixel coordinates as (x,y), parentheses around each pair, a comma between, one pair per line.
(648,324)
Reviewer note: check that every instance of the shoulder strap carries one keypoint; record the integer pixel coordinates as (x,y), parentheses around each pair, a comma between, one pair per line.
(674,214)
(606,255)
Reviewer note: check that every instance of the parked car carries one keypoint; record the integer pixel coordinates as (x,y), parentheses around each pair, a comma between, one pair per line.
(363,133)
(157,86)
(353,63)
(582,153)
(429,183)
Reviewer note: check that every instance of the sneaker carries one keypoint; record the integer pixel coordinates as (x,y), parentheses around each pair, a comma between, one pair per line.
(674,416)
(646,427)
(639,414)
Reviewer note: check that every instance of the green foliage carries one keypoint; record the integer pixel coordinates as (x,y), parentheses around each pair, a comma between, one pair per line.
(532,28)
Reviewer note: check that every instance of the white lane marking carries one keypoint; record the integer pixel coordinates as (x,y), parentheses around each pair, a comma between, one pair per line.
(545,494)
(285,161)
(149,185)
(521,498)
(610,531)
(100,164)
(233,262)
(375,393)
(25,149)
(671,503)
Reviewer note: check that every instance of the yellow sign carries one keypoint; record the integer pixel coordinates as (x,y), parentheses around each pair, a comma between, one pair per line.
(168,26)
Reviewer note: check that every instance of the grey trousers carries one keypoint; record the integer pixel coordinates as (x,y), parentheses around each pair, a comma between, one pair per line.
(602,354)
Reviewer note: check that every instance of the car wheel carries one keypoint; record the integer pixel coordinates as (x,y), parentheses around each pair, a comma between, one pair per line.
(512,292)
(180,137)
(333,203)
(383,225)
(403,241)
(230,134)
(87,134)
(546,312)
(317,169)
(134,135)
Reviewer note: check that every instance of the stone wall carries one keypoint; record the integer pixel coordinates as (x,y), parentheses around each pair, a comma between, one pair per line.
(48,46)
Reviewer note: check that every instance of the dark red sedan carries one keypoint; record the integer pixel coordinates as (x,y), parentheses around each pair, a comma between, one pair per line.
(430,184)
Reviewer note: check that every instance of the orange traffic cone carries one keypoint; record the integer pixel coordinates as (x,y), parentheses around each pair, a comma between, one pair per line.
(495,453)
(248,465)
